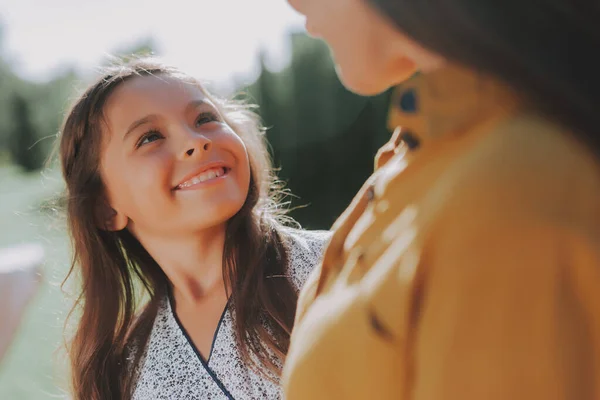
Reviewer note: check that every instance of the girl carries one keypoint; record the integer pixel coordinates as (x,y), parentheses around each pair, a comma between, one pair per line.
(468,267)
(171,200)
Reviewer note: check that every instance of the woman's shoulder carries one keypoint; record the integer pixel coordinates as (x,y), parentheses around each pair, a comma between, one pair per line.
(523,169)
(527,140)
(305,251)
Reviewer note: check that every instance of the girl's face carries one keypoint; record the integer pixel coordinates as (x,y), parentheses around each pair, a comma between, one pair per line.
(170,163)
(371,54)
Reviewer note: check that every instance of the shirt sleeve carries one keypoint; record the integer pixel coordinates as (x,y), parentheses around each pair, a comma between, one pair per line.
(305,253)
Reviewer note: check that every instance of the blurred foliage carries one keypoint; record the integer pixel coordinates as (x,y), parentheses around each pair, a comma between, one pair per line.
(23,136)
(31,112)
(35,108)
(145,47)
(323,137)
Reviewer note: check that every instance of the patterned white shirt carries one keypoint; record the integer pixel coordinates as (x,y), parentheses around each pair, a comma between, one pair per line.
(172,368)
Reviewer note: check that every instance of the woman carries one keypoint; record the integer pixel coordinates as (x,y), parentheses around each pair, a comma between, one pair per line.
(468,266)
(170,200)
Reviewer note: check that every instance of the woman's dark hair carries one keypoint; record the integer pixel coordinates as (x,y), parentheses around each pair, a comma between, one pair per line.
(117,273)
(544,49)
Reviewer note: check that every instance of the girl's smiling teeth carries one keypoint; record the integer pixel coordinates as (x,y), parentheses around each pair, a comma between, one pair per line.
(207,175)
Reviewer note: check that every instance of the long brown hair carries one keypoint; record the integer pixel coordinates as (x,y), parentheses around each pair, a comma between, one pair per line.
(543,49)
(117,274)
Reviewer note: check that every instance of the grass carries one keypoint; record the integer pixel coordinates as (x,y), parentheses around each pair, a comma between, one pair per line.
(33,367)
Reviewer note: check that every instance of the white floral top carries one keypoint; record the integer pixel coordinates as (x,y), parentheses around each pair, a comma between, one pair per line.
(171,367)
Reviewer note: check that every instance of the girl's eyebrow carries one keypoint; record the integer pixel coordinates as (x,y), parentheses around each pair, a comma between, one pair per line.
(192,105)
(137,123)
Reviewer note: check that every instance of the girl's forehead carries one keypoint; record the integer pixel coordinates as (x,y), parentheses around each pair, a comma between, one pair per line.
(143,95)
(158,87)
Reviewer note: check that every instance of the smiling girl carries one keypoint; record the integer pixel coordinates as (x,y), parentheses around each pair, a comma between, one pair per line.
(171,201)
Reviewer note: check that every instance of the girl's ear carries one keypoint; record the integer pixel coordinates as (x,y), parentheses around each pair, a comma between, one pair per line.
(109,219)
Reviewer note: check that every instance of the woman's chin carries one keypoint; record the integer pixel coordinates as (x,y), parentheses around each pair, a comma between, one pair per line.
(363,85)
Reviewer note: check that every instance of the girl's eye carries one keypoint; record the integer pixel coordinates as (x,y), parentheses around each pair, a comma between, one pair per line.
(206,117)
(149,137)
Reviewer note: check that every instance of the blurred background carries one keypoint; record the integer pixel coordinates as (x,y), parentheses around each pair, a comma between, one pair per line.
(323,137)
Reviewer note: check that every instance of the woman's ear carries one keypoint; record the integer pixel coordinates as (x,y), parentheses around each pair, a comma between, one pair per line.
(109,219)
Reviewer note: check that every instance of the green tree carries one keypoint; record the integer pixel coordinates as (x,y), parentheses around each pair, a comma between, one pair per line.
(323,137)
(24,150)
(142,48)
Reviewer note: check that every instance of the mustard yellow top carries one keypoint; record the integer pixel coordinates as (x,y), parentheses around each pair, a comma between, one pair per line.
(467,267)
